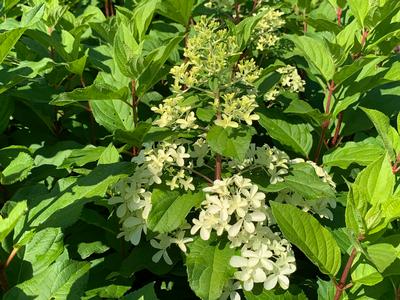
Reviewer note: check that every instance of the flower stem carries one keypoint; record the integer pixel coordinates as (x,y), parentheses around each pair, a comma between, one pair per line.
(206,178)
(340,287)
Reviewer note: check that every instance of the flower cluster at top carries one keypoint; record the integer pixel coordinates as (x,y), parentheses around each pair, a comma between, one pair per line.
(266,32)
(290,81)
(133,194)
(211,67)
(235,206)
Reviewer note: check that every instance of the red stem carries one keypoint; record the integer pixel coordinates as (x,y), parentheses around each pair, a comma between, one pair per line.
(337,130)
(255,3)
(340,287)
(3,267)
(339,16)
(364,37)
(237,12)
(107,9)
(325,124)
(111,8)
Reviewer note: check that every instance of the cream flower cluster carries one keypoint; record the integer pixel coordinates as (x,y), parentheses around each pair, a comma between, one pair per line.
(236,109)
(235,206)
(232,205)
(265,258)
(208,52)
(290,81)
(175,114)
(266,32)
(133,194)
(272,160)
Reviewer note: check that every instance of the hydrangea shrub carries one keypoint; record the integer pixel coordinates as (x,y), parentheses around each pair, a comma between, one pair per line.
(199,149)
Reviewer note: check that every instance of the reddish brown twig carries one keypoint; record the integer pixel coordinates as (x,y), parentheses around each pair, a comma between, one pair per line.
(325,124)
(337,130)
(341,286)
(339,16)
(3,267)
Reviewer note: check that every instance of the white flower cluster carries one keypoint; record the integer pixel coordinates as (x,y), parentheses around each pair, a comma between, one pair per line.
(266,32)
(272,160)
(236,207)
(236,109)
(266,259)
(133,193)
(290,81)
(175,114)
(318,206)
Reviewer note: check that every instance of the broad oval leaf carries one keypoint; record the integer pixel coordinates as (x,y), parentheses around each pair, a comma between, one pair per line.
(169,209)
(208,268)
(315,241)
(296,136)
(362,153)
(231,142)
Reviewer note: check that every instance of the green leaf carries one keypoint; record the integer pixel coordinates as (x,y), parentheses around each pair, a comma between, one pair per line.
(110,155)
(296,136)
(169,210)
(81,157)
(113,115)
(17,170)
(315,241)
(53,211)
(87,249)
(306,111)
(77,66)
(145,293)
(276,295)
(8,224)
(326,290)
(112,291)
(302,179)
(135,137)
(176,10)
(356,208)
(382,125)
(230,142)
(66,282)
(359,9)
(7,41)
(33,15)
(208,268)
(377,180)
(97,91)
(382,255)
(364,273)
(362,153)
(154,63)
(127,51)
(317,54)
(44,248)
(142,17)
